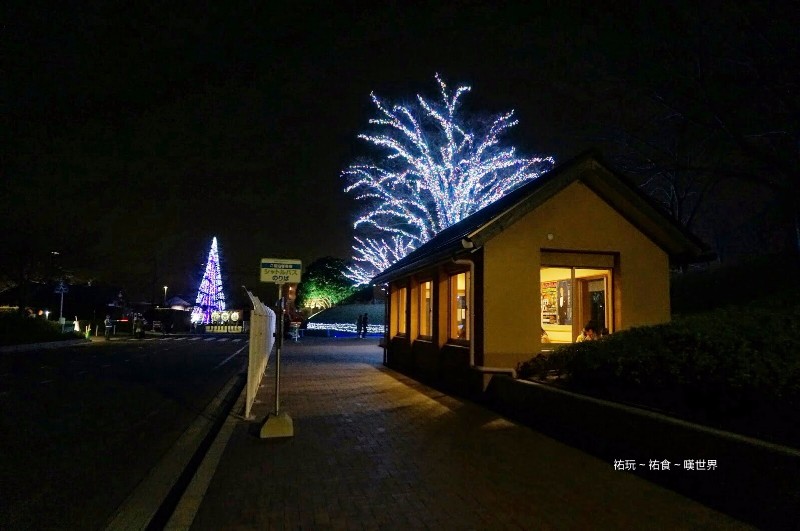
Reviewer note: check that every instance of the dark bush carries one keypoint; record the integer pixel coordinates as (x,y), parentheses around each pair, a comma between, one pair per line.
(16,330)
(761,276)
(736,368)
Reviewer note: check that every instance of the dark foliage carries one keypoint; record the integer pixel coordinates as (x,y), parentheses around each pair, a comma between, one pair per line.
(736,368)
(16,330)
(756,279)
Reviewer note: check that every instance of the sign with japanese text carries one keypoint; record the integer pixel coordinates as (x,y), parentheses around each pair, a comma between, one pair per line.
(281,270)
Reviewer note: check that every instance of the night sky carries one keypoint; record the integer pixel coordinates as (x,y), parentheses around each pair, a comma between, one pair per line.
(133,135)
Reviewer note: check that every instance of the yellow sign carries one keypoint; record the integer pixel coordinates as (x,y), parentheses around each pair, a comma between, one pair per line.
(281,270)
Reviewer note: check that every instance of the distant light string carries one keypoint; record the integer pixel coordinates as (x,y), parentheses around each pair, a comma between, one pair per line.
(343,327)
(210,297)
(437,171)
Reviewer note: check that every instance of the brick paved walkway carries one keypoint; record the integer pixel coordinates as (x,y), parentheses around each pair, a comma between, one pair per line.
(376,450)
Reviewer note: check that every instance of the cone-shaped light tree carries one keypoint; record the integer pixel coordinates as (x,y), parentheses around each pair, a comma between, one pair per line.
(210,297)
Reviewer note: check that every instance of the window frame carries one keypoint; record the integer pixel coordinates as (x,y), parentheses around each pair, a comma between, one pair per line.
(401,309)
(579,294)
(423,319)
(452,304)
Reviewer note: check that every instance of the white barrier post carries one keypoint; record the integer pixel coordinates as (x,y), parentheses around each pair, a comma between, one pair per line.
(262,326)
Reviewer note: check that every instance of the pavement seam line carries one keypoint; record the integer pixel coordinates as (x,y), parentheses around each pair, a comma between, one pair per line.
(141,505)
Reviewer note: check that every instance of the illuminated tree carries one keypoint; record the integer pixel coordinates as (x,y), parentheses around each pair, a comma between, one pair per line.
(210,297)
(324,284)
(438,169)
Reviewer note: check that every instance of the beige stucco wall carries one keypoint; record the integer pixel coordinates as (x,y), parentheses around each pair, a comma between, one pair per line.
(578,220)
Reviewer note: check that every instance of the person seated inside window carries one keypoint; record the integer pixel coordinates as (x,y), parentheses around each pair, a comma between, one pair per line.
(545,337)
(589,333)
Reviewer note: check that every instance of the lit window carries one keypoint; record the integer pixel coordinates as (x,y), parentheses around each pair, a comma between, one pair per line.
(425,309)
(459,306)
(573,297)
(400,314)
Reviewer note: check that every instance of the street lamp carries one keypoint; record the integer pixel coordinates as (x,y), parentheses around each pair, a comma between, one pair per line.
(165,296)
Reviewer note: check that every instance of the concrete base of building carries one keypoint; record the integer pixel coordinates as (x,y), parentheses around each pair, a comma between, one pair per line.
(753,480)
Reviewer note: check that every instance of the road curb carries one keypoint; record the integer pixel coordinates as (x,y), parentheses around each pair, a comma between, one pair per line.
(151,504)
(187,507)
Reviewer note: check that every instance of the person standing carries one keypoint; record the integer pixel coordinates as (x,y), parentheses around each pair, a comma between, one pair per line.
(108,324)
(138,327)
(564,304)
(364,322)
(359,325)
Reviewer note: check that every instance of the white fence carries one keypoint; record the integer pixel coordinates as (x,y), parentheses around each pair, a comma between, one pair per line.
(262,339)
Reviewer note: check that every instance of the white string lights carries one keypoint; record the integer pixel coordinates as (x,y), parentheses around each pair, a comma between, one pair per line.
(438,170)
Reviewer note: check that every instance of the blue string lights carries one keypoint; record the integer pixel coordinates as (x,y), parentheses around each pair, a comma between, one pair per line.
(344,327)
(210,297)
(438,170)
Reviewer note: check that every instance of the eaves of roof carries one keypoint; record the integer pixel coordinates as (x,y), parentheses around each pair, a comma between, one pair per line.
(475,230)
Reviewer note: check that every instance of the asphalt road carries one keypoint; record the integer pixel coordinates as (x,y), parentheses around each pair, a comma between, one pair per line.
(81,426)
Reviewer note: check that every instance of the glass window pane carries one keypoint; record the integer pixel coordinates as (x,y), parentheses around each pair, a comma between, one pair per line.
(425,309)
(459,306)
(401,311)
(571,298)
(556,293)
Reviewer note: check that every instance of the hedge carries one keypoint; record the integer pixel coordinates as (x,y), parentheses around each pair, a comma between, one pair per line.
(735,368)
(17,330)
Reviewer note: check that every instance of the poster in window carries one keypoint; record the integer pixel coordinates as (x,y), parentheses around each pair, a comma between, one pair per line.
(564,302)
(549,293)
